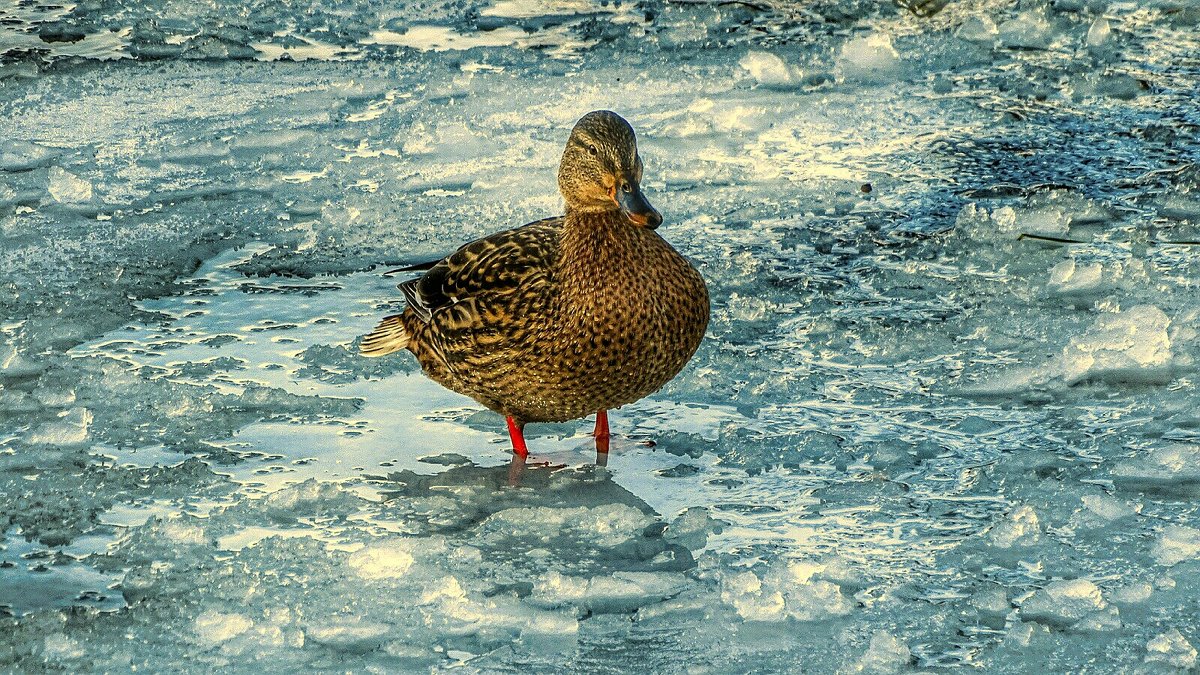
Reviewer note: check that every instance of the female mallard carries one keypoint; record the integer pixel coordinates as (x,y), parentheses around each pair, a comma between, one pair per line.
(563,317)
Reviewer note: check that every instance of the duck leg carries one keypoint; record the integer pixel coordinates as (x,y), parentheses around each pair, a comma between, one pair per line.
(516,432)
(602,436)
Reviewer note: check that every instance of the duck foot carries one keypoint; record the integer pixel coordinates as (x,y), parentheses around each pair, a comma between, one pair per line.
(517,466)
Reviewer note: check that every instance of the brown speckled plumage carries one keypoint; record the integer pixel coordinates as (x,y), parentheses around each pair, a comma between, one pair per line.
(563,317)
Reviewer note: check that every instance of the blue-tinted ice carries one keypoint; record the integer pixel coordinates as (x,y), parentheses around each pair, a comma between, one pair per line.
(946,413)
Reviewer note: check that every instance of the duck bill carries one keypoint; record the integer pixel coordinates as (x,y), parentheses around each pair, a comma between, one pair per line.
(637,208)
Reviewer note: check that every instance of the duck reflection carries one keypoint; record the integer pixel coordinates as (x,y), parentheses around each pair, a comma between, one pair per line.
(472,500)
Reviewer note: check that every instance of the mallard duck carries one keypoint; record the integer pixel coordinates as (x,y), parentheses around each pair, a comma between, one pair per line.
(563,317)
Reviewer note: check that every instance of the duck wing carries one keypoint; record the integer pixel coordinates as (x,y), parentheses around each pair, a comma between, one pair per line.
(484,271)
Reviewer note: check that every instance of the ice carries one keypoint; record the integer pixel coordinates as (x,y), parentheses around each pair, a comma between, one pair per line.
(1109,508)
(945,416)
(1065,603)
(68,188)
(622,592)
(1129,346)
(978,28)
(1171,649)
(869,59)
(1171,468)
(886,654)
(787,591)
(1020,528)
(213,627)
(992,602)
(1175,544)
(70,430)
(1029,30)
(768,69)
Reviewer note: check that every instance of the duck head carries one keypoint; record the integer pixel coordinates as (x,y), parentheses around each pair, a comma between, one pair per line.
(601,171)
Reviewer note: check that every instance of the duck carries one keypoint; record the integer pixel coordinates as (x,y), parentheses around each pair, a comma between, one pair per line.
(564,317)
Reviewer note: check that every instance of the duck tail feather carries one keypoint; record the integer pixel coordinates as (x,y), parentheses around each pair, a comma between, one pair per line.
(389,336)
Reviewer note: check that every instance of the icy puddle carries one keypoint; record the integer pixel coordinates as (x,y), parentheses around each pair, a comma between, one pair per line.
(232,332)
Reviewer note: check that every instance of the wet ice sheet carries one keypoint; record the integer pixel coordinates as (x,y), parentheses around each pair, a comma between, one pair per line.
(912,437)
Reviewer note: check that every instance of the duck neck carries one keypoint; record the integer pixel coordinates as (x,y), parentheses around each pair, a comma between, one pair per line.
(595,247)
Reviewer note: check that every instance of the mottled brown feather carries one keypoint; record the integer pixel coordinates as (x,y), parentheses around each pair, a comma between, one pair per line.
(559,318)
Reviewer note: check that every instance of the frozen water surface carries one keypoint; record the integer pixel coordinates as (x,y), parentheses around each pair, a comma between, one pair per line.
(945,416)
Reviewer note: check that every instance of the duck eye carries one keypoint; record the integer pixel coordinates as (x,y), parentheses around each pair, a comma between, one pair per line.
(625,187)
(592,149)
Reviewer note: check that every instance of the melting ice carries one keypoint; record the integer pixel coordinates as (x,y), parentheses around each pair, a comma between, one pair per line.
(945,414)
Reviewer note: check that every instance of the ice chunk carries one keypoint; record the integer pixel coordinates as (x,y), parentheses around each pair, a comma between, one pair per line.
(991,602)
(22,155)
(1099,34)
(1114,85)
(15,364)
(607,525)
(1173,467)
(1129,346)
(384,560)
(1071,277)
(180,531)
(291,502)
(1175,544)
(1063,603)
(67,188)
(621,592)
(213,627)
(691,528)
(58,647)
(1028,30)
(347,634)
(1108,508)
(871,58)
(768,69)
(977,28)
(1044,220)
(1023,634)
(1131,594)
(70,430)
(1019,528)
(1172,649)
(784,592)
(886,654)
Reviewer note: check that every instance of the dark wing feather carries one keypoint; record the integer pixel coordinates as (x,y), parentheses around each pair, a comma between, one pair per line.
(492,266)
